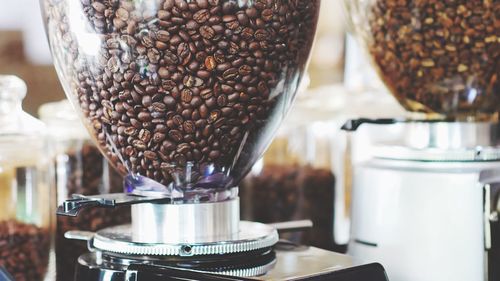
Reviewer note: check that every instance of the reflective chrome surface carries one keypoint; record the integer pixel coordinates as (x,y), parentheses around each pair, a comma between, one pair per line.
(251,236)
(451,135)
(185,223)
(442,141)
(293,262)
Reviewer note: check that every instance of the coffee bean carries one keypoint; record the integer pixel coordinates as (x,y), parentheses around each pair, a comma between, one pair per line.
(163,36)
(175,135)
(150,155)
(99,7)
(186,95)
(210,63)
(206,94)
(207,32)
(189,127)
(201,16)
(25,250)
(245,70)
(222,100)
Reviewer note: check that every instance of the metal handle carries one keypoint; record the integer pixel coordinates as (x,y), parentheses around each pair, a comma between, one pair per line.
(292,226)
(488,178)
(74,206)
(353,124)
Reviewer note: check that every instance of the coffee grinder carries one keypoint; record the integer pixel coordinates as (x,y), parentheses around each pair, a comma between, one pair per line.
(421,203)
(183,97)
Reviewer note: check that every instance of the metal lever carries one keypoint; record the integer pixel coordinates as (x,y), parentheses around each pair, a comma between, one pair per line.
(353,124)
(292,226)
(72,207)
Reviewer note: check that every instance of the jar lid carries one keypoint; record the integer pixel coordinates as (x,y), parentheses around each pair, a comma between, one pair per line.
(62,121)
(12,88)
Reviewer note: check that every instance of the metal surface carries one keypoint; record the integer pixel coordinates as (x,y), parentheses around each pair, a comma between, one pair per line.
(249,271)
(292,226)
(77,203)
(251,236)
(186,223)
(452,135)
(487,179)
(443,141)
(292,263)
(437,134)
(437,155)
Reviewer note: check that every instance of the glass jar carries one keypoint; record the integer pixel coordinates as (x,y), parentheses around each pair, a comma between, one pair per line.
(26,203)
(184,93)
(436,57)
(80,169)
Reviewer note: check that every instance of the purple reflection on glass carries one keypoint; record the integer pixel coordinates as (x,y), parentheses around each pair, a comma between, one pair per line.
(211,188)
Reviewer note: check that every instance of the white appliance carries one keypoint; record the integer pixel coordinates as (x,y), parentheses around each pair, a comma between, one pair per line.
(421,203)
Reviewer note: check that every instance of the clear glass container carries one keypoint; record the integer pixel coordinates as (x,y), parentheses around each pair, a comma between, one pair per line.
(185,93)
(436,57)
(26,203)
(80,169)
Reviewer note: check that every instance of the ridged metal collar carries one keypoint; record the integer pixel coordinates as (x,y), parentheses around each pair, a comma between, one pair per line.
(252,236)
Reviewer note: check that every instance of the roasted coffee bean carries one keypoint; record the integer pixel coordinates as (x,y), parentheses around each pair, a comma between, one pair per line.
(201,16)
(25,250)
(206,94)
(184,72)
(175,135)
(432,54)
(207,32)
(186,95)
(230,74)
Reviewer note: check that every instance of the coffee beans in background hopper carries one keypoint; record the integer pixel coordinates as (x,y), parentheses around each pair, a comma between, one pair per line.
(283,193)
(85,173)
(24,250)
(439,56)
(178,82)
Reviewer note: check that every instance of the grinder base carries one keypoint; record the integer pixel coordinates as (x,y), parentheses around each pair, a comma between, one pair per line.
(251,236)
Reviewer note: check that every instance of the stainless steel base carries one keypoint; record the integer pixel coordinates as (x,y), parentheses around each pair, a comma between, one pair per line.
(292,263)
(185,223)
(251,236)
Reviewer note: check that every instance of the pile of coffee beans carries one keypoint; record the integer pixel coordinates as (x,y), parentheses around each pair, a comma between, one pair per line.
(283,193)
(177,84)
(439,56)
(84,173)
(24,250)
